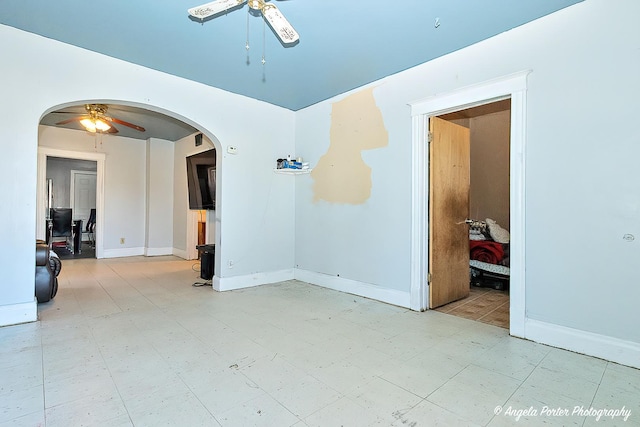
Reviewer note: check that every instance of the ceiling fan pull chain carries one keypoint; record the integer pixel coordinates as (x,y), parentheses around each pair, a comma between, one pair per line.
(246,46)
(264,44)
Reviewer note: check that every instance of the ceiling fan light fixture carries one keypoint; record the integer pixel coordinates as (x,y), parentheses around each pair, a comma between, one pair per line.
(102,126)
(88,125)
(95,125)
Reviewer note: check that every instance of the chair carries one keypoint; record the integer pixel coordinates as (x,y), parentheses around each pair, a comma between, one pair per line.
(91,228)
(60,225)
(48,266)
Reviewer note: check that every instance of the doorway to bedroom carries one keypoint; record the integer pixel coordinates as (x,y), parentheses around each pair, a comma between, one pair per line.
(469,208)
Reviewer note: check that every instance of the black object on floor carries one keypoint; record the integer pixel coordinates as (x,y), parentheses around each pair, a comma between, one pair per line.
(207,261)
(207,264)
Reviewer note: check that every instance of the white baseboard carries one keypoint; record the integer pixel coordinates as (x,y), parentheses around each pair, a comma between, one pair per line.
(249,280)
(180,253)
(13,314)
(119,253)
(367,290)
(601,346)
(158,251)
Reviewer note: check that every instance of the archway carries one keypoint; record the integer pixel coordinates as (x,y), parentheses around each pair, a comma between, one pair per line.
(108,162)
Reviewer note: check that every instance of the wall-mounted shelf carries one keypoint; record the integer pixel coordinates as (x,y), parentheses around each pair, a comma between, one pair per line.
(288,171)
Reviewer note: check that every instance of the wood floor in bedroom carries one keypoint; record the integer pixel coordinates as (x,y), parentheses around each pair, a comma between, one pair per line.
(485,305)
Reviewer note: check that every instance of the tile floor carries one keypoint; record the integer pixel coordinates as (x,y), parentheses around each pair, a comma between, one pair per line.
(132,342)
(485,305)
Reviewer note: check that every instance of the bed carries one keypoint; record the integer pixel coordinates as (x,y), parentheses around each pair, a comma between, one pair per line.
(488,255)
(484,274)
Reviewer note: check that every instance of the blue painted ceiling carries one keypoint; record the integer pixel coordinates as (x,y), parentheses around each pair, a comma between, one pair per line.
(343,44)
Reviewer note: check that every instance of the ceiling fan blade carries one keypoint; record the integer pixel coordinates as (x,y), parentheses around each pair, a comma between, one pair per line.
(213,8)
(122,122)
(75,119)
(112,129)
(283,29)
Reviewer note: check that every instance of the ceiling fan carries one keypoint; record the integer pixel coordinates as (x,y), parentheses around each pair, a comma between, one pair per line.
(96,120)
(271,14)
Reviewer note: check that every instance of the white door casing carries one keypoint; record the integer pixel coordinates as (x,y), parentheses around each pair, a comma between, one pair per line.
(512,86)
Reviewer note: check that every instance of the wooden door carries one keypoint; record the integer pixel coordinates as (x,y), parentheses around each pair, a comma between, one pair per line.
(449,160)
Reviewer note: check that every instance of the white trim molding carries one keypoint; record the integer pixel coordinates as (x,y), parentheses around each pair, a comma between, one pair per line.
(181,253)
(354,287)
(158,251)
(367,290)
(124,252)
(14,314)
(419,215)
(513,86)
(602,346)
(222,284)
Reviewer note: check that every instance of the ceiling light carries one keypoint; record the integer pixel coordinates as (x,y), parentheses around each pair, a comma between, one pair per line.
(94,125)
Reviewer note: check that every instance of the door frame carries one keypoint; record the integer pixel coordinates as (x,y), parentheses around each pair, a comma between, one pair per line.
(512,86)
(41,199)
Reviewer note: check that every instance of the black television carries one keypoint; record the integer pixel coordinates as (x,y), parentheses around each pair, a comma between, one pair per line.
(201,180)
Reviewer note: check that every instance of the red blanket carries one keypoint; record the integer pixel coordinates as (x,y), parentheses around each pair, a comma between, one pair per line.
(486,251)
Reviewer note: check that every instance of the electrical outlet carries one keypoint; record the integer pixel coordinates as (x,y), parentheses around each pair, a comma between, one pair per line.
(122,240)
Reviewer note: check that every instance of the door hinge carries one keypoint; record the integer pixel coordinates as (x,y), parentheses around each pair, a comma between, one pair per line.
(428,278)
(429,136)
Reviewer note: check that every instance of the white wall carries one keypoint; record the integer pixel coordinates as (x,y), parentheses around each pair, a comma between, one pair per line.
(583,184)
(59,171)
(159,209)
(489,172)
(40,75)
(183,148)
(364,242)
(125,184)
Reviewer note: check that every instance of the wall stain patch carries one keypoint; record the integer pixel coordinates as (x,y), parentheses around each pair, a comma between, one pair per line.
(341,175)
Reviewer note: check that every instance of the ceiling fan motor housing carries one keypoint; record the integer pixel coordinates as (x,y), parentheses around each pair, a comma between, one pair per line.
(96,108)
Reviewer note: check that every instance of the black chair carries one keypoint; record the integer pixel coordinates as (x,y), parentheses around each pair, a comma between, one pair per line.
(60,225)
(48,266)
(91,228)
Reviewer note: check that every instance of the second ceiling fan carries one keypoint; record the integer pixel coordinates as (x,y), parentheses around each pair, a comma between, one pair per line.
(97,120)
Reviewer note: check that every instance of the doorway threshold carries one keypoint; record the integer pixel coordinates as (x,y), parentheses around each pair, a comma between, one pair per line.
(484,305)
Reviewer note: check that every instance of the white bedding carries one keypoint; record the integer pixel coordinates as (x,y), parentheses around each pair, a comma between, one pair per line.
(491,268)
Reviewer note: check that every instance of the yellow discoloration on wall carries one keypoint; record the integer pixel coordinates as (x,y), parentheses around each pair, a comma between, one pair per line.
(341,175)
